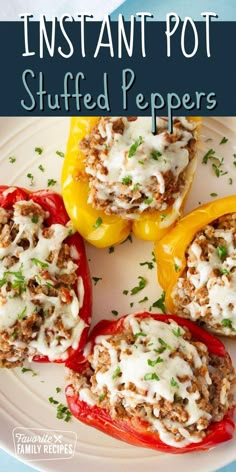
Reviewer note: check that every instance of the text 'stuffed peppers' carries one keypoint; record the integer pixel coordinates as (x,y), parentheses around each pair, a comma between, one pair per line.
(170,251)
(97,227)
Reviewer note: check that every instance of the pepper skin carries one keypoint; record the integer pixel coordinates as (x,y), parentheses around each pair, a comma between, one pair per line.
(113,229)
(53,204)
(135,432)
(170,252)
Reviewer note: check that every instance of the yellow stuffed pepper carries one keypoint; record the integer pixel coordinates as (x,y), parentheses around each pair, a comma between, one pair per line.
(197,266)
(118,177)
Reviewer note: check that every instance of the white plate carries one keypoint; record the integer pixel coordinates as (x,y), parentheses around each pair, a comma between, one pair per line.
(24,398)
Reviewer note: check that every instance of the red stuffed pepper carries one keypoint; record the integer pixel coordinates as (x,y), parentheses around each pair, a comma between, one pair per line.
(155,381)
(45,288)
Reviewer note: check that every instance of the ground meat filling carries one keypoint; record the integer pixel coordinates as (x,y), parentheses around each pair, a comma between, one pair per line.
(206,291)
(160,375)
(132,171)
(38,304)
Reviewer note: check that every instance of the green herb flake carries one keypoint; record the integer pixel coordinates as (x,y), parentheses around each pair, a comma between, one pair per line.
(140,333)
(125,292)
(141,163)
(115,312)
(131,304)
(31,178)
(224,140)
(96,280)
(24,370)
(12,159)
(223,271)
(60,153)
(129,238)
(51,182)
(39,150)
(151,376)
(116,372)
(155,362)
(176,267)
(35,219)
(164,344)
(14,335)
(160,303)
(39,263)
(148,201)
(53,401)
(97,223)
(3,281)
(155,155)
(163,216)
(135,187)
(101,397)
(41,168)
(63,413)
(58,389)
(21,315)
(177,332)
(174,383)
(142,284)
(150,264)
(127,180)
(145,299)
(134,147)
(209,155)
(213,194)
(222,252)
(227,323)
(111,249)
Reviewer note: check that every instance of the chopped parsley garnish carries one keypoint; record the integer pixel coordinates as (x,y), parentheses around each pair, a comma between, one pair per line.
(217,168)
(141,162)
(97,223)
(101,397)
(156,361)
(58,389)
(224,140)
(31,178)
(227,323)
(127,180)
(209,155)
(24,370)
(141,333)
(222,252)
(63,412)
(142,284)
(148,201)
(164,344)
(60,153)
(160,303)
(230,181)
(96,279)
(131,304)
(163,216)
(3,281)
(51,182)
(150,264)
(35,219)
(111,249)
(115,312)
(176,267)
(155,155)
(177,332)
(213,194)
(134,147)
(223,271)
(151,376)
(41,168)
(116,372)
(129,238)
(173,383)
(39,150)
(125,292)
(12,159)
(21,315)
(105,146)
(135,187)
(39,263)
(145,299)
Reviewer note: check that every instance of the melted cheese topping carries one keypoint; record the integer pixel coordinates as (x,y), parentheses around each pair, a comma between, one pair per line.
(218,277)
(143,172)
(155,373)
(30,262)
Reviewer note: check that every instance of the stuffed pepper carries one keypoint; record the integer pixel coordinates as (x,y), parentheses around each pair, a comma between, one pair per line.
(45,291)
(156,381)
(197,266)
(119,177)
